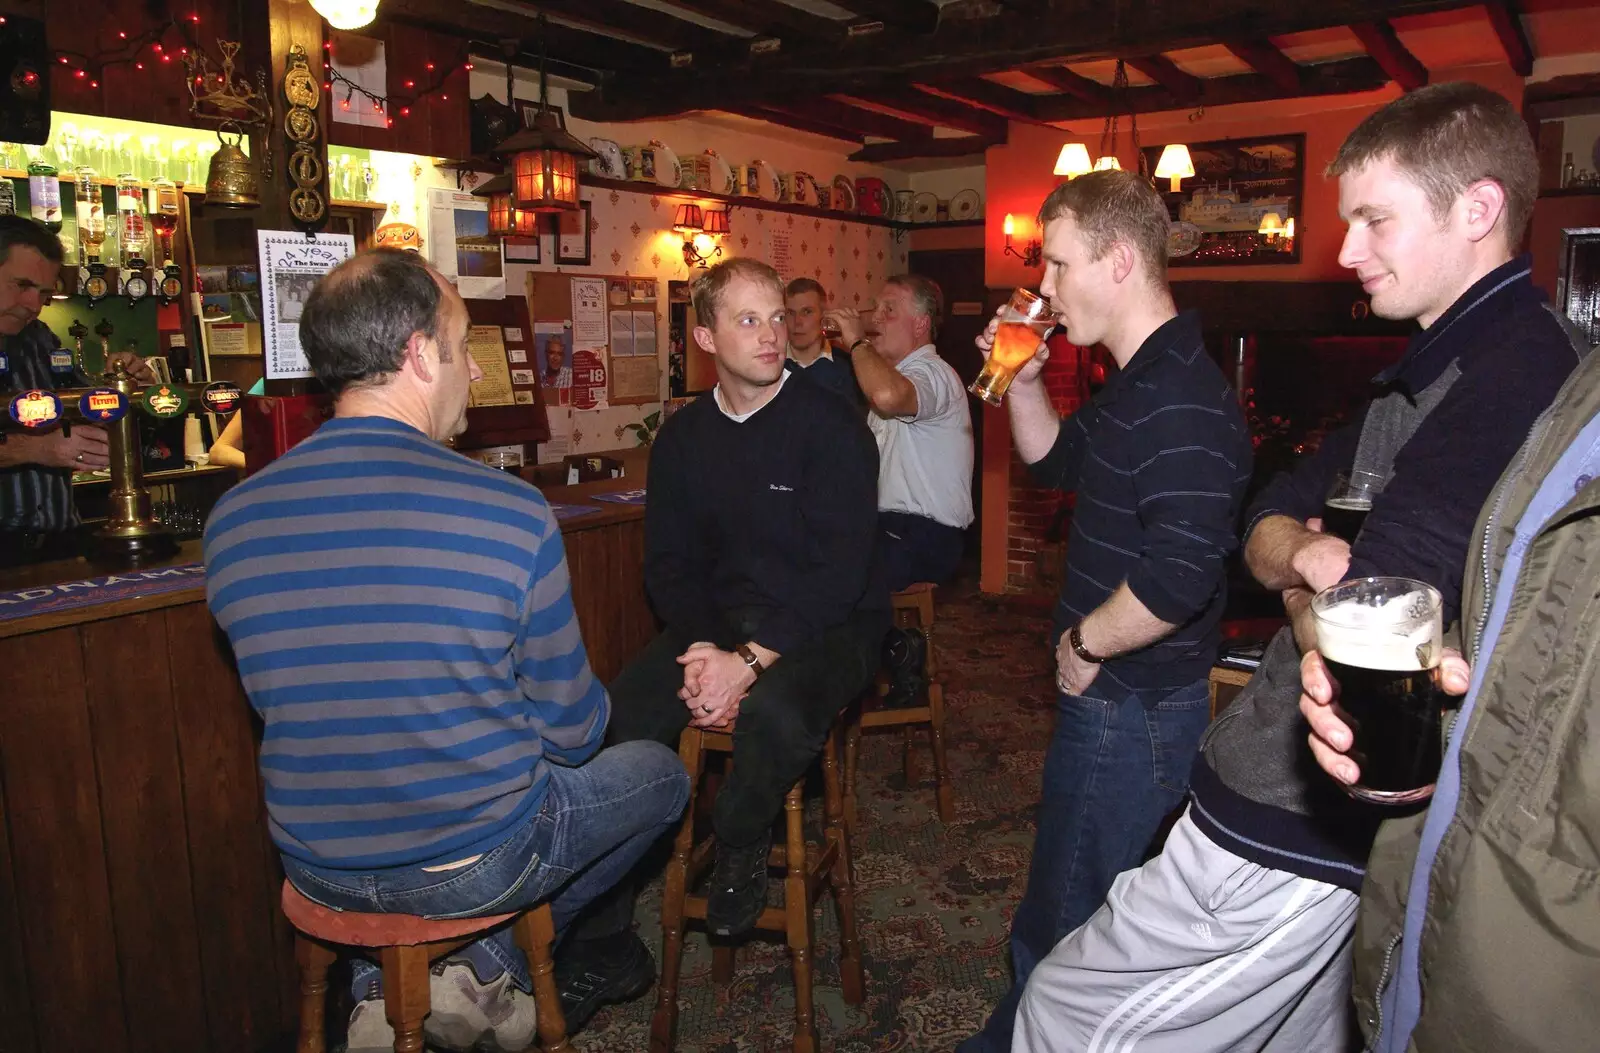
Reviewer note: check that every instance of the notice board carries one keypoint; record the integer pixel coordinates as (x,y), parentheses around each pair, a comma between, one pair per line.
(501,338)
(597,338)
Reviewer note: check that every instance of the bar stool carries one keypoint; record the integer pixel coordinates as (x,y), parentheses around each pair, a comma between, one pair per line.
(808,868)
(407,945)
(913,609)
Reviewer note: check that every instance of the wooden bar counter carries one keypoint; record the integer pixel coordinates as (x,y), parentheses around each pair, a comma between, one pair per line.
(138,887)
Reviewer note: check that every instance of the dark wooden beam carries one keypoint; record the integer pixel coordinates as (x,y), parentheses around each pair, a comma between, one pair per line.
(1383,44)
(852,118)
(932,110)
(566,47)
(764,17)
(622,19)
(998,99)
(790,120)
(1264,57)
(1074,84)
(1506,18)
(1162,70)
(951,146)
(912,16)
(1328,78)
(1076,30)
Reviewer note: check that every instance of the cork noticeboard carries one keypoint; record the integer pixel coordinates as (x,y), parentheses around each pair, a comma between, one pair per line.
(631,311)
(525,420)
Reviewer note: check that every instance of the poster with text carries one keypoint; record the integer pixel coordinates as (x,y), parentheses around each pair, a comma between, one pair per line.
(291,263)
(589,329)
(460,246)
(552,346)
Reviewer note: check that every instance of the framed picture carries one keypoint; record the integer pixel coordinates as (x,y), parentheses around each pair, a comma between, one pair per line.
(572,236)
(528,110)
(1242,205)
(522,250)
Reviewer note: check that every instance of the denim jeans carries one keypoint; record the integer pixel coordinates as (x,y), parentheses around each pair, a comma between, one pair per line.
(595,823)
(1117,764)
(916,548)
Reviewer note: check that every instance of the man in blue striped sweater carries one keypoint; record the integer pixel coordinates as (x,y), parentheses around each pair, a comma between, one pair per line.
(403,623)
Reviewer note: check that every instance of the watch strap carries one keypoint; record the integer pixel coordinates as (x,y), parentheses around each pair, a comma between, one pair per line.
(1075,638)
(751,659)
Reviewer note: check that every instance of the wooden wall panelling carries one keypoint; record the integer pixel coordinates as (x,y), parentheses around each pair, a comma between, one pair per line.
(58,856)
(235,878)
(148,854)
(607,568)
(16,1003)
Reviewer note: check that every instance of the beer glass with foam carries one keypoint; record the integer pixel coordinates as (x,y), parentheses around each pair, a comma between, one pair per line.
(1023,323)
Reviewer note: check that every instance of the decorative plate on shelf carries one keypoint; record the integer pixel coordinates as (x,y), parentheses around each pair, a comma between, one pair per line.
(769,184)
(1183,238)
(844,194)
(965,205)
(924,208)
(608,162)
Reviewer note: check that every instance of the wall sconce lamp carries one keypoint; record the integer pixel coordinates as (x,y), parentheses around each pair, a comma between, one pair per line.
(701,230)
(1032,251)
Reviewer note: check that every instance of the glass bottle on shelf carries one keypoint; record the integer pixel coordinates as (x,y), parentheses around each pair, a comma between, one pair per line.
(8,198)
(164,215)
(91,213)
(368,178)
(1566,172)
(44,194)
(135,234)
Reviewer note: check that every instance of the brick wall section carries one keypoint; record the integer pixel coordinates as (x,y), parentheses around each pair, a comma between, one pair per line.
(1033,565)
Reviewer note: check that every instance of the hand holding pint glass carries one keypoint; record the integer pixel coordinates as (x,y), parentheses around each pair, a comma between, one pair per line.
(1381,640)
(1022,324)
(1348,502)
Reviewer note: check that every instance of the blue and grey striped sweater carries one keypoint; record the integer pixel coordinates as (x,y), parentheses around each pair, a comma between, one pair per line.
(402,619)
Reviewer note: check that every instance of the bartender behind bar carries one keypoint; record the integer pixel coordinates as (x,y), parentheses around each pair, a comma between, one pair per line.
(37,516)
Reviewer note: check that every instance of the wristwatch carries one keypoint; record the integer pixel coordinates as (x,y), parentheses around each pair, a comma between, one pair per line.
(751,659)
(858,343)
(1075,638)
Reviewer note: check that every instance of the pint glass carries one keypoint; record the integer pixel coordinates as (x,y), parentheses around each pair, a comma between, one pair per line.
(1348,502)
(1381,639)
(1023,323)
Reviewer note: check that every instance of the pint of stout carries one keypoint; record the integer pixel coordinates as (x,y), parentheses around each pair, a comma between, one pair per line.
(1349,500)
(1381,639)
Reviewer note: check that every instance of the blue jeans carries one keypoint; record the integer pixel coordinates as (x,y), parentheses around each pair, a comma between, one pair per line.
(1117,764)
(595,823)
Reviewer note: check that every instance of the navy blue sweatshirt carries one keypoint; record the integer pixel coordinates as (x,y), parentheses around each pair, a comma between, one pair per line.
(1514,356)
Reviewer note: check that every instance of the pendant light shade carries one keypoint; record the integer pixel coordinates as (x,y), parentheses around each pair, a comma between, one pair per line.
(346,14)
(1175,164)
(1073,161)
(544,156)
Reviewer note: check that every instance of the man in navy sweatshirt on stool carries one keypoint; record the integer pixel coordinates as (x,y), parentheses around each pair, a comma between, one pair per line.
(760,528)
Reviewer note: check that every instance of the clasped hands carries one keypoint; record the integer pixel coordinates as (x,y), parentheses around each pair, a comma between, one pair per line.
(714,683)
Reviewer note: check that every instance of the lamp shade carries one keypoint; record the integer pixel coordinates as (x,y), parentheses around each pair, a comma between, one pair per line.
(1271,223)
(689,220)
(716,221)
(506,220)
(544,165)
(1073,161)
(346,14)
(1108,163)
(1175,164)
(1009,227)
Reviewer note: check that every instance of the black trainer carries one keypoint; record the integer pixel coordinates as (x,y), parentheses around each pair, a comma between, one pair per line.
(738,887)
(587,982)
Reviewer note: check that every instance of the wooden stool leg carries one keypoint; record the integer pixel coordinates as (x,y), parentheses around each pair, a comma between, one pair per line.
(405,994)
(536,933)
(665,1020)
(844,900)
(941,764)
(314,959)
(797,910)
(908,749)
(852,751)
(722,963)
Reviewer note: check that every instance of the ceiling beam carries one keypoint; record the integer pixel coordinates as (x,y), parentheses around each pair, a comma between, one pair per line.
(1383,44)
(953,146)
(499,20)
(1076,30)
(1265,58)
(1506,18)
(1075,84)
(764,17)
(1329,78)
(1165,72)
(621,19)
(913,16)
(998,99)
(790,120)
(853,118)
(932,111)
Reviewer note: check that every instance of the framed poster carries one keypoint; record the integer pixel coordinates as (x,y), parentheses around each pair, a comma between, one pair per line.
(572,237)
(521,250)
(291,263)
(1239,206)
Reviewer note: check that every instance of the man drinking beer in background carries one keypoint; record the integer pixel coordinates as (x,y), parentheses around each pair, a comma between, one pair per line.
(1159,461)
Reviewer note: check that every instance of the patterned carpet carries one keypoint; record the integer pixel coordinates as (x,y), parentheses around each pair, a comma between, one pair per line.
(934,903)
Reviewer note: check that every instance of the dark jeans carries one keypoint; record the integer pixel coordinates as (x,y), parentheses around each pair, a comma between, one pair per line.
(916,548)
(781,728)
(1114,769)
(595,823)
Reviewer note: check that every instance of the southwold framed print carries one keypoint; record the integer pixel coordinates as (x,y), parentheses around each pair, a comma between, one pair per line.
(1241,206)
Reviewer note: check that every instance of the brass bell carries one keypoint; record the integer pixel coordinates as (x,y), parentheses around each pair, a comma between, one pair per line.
(231,181)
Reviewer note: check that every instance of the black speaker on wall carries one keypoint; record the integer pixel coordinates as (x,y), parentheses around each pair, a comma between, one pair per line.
(24,81)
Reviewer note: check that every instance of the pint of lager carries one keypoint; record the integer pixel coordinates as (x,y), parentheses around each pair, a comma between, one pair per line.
(1381,639)
(1023,324)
